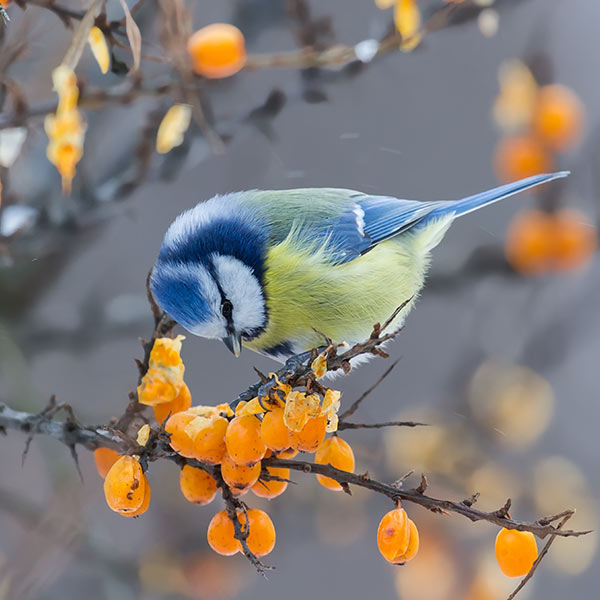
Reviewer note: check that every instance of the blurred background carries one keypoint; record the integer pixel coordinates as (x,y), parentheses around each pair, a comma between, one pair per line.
(500,357)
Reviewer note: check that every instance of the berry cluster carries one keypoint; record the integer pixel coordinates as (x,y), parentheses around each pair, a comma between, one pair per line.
(223,448)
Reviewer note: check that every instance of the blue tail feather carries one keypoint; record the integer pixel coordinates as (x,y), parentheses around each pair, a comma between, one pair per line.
(471,203)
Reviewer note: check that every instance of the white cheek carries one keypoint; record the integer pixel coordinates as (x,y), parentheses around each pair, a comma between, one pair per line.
(244,291)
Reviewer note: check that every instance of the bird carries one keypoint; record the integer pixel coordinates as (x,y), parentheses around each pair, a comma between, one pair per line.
(276,270)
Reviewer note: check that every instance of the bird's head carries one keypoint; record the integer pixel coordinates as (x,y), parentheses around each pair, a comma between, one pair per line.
(209,274)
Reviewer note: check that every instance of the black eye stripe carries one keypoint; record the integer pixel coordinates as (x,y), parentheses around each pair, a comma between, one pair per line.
(226,309)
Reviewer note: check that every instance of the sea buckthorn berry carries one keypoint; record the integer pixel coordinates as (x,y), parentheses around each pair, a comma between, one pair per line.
(217,50)
(208,438)
(182,402)
(559,117)
(220,535)
(273,487)
(125,485)
(244,443)
(397,537)
(273,430)
(180,441)
(105,458)
(335,452)
(145,502)
(516,551)
(239,478)
(311,436)
(529,242)
(575,240)
(289,453)
(197,486)
(261,538)
(520,156)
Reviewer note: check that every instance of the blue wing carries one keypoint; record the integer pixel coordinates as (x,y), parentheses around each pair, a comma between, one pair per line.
(370,220)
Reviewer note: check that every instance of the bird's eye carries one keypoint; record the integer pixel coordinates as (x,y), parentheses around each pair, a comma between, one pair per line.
(226,308)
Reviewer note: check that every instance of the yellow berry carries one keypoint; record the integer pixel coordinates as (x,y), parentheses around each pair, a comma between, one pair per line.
(520,156)
(220,535)
(243,440)
(335,452)
(261,539)
(217,50)
(105,458)
(239,478)
(273,487)
(180,440)
(273,430)
(516,551)
(196,485)
(575,240)
(311,436)
(529,242)
(125,485)
(559,117)
(208,438)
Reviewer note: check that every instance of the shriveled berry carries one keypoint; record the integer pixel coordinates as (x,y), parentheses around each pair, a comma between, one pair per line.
(273,487)
(220,535)
(125,485)
(516,551)
(105,458)
(243,440)
(273,430)
(239,478)
(335,452)
(397,537)
(182,402)
(197,485)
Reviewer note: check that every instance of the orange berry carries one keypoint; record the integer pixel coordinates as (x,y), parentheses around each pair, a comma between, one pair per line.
(520,156)
(208,438)
(145,502)
(516,551)
(217,50)
(244,443)
(125,485)
(239,478)
(105,458)
(397,537)
(273,487)
(197,485)
(335,452)
(261,538)
(311,436)
(289,453)
(180,440)
(529,242)
(273,430)
(575,240)
(182,402)
(220,535)
(559,117)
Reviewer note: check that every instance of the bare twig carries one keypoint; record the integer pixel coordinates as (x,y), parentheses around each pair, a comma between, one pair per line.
(346,425)
(352,409)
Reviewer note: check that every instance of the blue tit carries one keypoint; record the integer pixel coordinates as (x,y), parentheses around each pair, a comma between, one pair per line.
(264,269)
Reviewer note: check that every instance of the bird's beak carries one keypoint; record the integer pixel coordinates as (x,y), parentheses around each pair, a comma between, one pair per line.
(234,343)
